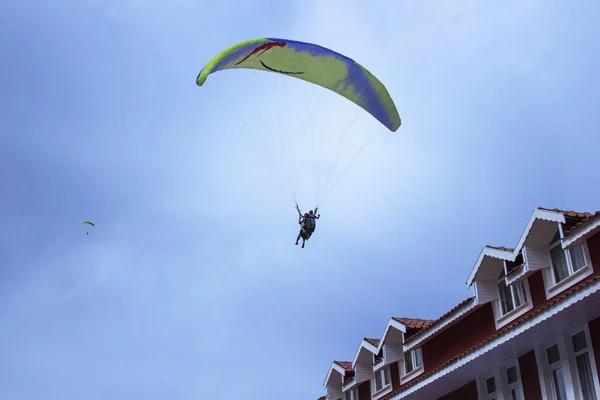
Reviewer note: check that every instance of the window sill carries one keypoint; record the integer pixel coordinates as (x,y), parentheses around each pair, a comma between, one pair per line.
(412,374)
(382,392)
(569,281)
(514,314)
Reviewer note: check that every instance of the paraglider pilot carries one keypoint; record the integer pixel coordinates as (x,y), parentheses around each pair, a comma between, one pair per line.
(307,224)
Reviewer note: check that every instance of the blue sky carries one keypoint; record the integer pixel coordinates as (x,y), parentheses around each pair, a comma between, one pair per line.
(189,286)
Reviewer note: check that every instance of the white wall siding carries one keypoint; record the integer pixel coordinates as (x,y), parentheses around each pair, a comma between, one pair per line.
(486,291)
(364,372)
(537,257)
(393,352)
(334,392)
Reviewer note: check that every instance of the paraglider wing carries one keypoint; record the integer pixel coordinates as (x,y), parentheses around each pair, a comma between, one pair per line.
(311,63)
(88,223)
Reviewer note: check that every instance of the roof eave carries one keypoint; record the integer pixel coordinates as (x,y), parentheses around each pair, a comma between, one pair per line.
(582,233)
(392,323)
(364,345)
(334,367)
(538,213)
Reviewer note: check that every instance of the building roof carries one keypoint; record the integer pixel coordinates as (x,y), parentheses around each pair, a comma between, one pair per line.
(414,323)
(573,219)
(346,365)
(435,322)
(568,219)
(416,327)
(501,248)
(500,332)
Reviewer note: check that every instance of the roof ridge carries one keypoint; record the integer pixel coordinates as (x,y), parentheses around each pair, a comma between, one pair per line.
(346,365)
(558,210)
(502,248)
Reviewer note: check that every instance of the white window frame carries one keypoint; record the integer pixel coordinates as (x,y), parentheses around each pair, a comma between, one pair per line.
(353,394)
(504,319)
(386,388)
(573,364)
(552,287)
(417,369)
(481,382)
(545,370)
(518,385)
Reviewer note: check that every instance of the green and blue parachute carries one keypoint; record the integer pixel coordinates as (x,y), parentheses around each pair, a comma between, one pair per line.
(311,63)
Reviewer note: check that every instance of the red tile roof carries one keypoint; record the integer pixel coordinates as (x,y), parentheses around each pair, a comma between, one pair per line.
(513,266)
(435,322)
(498,333)
(514,269)
(572,218)
(581,222)
(372,342)
(501,248)
(347,365)
(414,323)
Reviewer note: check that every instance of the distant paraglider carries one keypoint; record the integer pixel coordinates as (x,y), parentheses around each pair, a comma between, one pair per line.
(88,223)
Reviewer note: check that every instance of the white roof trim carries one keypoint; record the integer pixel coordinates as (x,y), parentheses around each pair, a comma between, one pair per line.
(538,214)
(419,339)
(334,367)
(521,273)
(364,345)
(507,255)
(561,305)
(581,233)
(487,251)
(392,323)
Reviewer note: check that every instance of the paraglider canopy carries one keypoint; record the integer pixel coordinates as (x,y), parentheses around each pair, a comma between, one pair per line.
(88,223)
(298,145)
(311,63)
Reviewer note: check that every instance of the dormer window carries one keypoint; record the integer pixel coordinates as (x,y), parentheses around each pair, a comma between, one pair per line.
(565,263)
(412,360)
(382,379)
(511,296)
(513,300)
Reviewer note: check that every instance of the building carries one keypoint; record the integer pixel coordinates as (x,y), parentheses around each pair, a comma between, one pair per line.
(530,331)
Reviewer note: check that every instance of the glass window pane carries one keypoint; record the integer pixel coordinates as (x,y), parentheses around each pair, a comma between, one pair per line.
(511,375)
(584,372)
(577,257)
(559,263)
(579,342)
(559,384)
(408,362)
(417,357)
(506,302)
(520,294)
(378,384)
(490,383)
(552,354)
(515,394)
